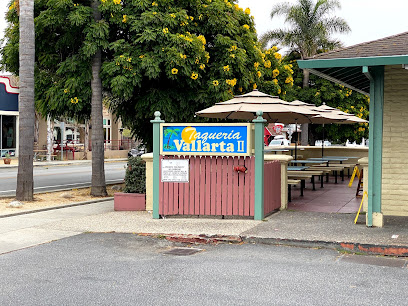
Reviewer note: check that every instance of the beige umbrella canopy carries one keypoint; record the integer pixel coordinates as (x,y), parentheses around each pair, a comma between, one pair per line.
(244,107)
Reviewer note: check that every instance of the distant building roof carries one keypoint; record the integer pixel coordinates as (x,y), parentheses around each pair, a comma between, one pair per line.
(388,46)
(345,66)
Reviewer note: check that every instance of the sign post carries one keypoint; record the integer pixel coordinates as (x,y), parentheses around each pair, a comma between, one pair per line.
(259,166)
(156,163)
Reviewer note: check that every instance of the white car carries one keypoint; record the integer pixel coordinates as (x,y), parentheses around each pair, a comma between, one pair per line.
(279,141)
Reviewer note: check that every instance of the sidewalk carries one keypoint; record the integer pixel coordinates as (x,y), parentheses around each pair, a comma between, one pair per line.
(14,162)
(302,229)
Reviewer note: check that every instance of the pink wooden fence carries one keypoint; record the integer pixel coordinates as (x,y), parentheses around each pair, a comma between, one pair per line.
(214,188)
(272,186)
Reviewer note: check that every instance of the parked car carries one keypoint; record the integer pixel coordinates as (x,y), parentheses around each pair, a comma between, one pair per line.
(135,152)
(279,141)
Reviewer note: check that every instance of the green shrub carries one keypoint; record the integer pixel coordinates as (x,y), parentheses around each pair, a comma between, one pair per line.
(135,178)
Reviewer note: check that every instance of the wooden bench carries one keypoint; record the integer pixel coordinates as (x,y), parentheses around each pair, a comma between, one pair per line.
(334,169)
(292,182)
(305,175)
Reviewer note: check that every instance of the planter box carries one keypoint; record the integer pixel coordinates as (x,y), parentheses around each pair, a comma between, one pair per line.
(129,201)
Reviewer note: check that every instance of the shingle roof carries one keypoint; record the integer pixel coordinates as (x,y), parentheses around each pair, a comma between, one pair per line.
(388,46)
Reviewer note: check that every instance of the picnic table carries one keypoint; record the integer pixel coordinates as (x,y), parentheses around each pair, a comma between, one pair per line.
(268,150)
(329,159)
(297,168)
(303,162)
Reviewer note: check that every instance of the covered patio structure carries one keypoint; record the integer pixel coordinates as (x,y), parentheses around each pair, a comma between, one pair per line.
(378,69)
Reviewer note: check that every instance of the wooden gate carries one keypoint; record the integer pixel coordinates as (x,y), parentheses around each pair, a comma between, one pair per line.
(214,188)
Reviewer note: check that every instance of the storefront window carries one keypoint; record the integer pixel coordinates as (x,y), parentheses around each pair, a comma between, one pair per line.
(8,135)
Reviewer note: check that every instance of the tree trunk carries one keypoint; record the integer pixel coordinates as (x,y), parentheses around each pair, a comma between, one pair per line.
(98,187)
(304,140)
(25,182)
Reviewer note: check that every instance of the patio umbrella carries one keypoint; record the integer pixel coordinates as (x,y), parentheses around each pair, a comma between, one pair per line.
(330,114)
(244,107)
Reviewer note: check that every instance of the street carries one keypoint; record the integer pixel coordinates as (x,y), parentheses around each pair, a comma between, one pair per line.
(127,269)
(58,177)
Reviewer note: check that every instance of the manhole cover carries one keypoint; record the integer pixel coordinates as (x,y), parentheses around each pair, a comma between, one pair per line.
(182,251)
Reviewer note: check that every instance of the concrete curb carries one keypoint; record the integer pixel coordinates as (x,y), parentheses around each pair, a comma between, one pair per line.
(55,207)
(353,247)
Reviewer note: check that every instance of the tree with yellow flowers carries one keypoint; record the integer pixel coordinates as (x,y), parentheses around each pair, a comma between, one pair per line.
(177,57)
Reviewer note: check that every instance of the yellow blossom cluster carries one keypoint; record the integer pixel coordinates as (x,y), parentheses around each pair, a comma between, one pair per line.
(289,80)
(74,100)
(174,71)
(275,72)
(259,74)
(183,56)
(125,18)
(289,68)
(233,48)
(348,93)
(256,65)
(226,68)
(194,76)
(13,5)
(246,27)
(275,81)
(172,15)
(154,4)
(232,82)
(202,66)
(247,11)
(278,56)
(268,64)
(186,38)
(116,1)
(215,83)
(165,30)
(202,39)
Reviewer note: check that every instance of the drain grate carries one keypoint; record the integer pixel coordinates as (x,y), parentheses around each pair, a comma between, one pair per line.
(182,251)
(375,261)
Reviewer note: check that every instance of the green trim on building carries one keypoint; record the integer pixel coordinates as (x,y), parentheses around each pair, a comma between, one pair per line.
(376,141)
(156,163)
(259,166)
(353,62)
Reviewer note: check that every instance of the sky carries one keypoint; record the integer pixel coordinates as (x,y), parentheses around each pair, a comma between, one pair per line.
(368,19)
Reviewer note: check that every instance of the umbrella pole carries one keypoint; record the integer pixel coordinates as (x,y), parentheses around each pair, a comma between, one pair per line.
(323,142)
(297,138)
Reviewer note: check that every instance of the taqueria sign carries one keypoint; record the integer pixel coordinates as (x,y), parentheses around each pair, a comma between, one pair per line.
(206,139)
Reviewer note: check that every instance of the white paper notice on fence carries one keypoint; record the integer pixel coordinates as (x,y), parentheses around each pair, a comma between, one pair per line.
(175,170)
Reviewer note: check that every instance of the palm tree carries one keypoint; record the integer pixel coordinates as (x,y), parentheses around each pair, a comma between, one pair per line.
(170,132)
(98,187)
(25,181)
(311,25)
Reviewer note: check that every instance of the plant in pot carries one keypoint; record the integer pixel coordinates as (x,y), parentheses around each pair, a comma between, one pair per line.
(7,159)
(133,196)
